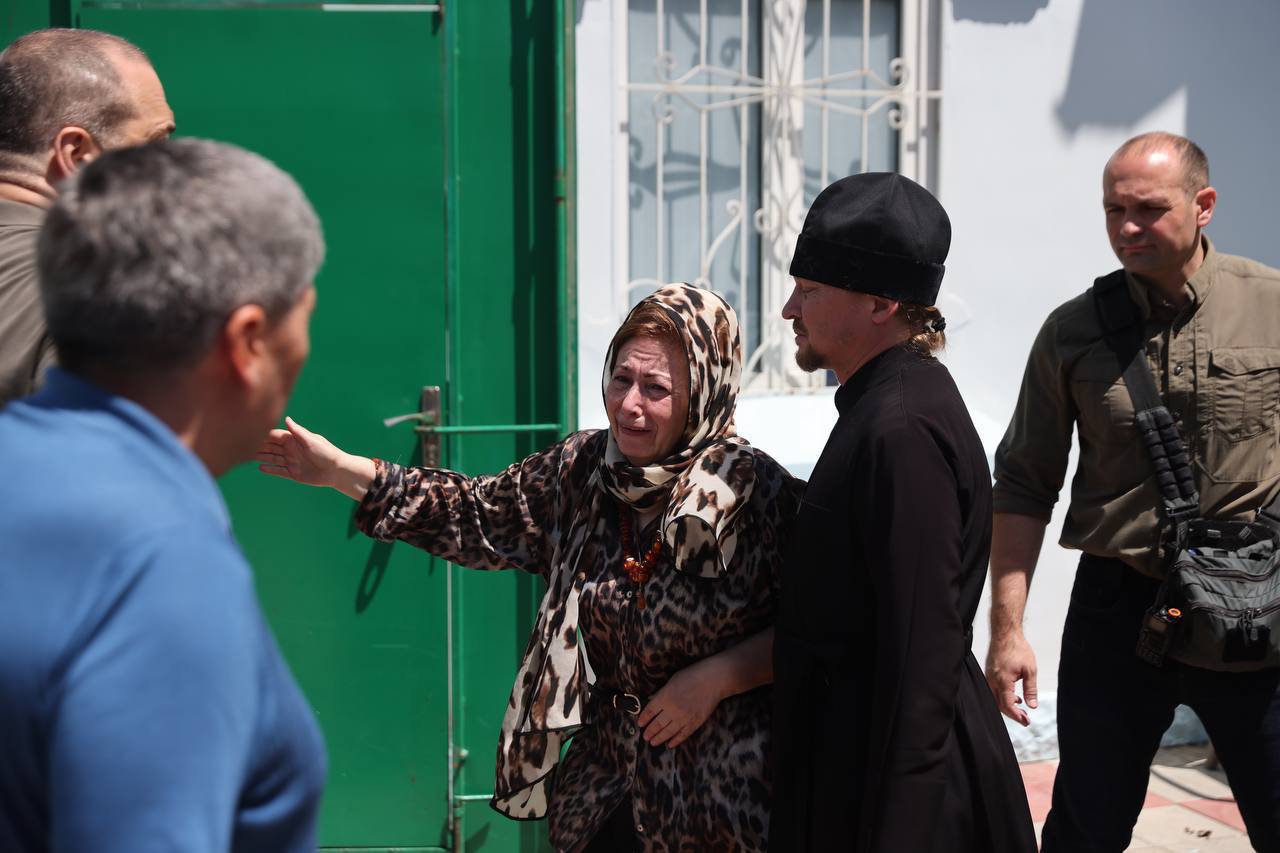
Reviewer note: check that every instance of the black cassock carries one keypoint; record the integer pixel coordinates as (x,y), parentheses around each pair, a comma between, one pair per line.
(886,737)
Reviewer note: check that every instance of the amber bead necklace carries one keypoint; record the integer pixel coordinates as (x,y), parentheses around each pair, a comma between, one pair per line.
(638,569)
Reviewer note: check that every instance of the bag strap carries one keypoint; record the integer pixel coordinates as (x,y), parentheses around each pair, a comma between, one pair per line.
(1122,329)
(1270,514)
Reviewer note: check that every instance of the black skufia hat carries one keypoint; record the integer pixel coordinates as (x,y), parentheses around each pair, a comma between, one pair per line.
(876,233)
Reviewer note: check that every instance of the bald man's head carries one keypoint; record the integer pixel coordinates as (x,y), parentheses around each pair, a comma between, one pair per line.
(1194,164)
(59,78)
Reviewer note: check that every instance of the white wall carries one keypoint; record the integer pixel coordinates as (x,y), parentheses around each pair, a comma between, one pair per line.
(1023,192)
(1036,95)
(599,112)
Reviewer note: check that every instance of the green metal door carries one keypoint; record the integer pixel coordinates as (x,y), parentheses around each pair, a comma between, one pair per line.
(350,103)
(435,149)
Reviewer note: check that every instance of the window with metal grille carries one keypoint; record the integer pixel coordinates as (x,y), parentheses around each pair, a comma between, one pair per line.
(738,112)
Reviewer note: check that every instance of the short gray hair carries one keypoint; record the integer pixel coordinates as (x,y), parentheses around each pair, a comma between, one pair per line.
(148,251)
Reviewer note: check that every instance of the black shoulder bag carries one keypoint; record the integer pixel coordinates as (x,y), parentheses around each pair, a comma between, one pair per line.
(1218,606)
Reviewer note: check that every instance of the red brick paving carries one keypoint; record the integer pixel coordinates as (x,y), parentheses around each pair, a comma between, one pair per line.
(1038,777)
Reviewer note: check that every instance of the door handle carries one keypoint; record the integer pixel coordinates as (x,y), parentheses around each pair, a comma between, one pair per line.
(428,415)
(429,429)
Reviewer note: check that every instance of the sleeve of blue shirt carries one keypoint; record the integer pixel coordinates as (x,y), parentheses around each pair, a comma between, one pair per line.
(156,709)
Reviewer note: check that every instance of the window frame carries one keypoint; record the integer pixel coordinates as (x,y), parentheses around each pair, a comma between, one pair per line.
(911,98)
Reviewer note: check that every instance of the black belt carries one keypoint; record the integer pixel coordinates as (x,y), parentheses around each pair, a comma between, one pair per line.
(619,700)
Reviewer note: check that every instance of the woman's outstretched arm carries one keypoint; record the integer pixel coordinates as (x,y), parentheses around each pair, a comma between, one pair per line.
(491,522)
(303,456)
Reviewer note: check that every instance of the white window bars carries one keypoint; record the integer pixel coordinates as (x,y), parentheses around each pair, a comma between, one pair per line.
(738,113)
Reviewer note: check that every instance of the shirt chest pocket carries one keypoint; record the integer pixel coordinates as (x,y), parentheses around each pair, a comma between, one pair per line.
(1103,402)
(1246,390)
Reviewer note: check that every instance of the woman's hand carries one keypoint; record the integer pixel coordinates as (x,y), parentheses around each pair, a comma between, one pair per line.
(683,704)
(306,457)
(686,701)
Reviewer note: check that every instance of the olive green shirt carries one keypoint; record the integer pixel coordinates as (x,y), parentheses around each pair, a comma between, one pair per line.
(25,347)
(1217,364)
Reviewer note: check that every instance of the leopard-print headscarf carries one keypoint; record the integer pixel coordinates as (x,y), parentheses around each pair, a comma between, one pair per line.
(708,479)
(705,483)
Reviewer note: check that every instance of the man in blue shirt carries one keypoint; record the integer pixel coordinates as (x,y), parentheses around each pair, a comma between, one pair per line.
(144,704)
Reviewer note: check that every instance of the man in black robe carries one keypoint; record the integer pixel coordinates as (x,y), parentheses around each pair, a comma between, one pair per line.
(886,738)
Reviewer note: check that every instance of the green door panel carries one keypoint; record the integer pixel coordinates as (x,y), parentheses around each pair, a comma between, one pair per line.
(506,313)
(351,105)
(428,146)
(22,16)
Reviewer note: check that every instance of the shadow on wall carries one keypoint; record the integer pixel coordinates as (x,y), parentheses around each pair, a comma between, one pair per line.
(996,11)
(1130,57)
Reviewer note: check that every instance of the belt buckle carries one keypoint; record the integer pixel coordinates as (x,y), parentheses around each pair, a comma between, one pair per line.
(626,702)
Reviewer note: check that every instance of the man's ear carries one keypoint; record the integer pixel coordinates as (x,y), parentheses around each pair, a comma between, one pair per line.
(243,343)
(73,147)
(1206,203)
(883,310)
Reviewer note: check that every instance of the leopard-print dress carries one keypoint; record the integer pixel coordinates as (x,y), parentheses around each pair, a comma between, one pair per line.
(712,793)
